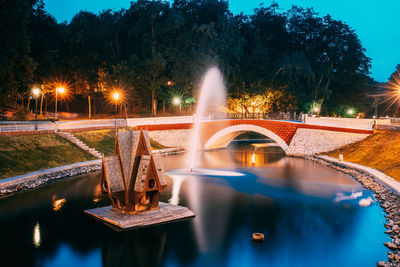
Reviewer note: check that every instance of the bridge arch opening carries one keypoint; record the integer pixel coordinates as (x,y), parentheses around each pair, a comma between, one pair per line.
(225,136)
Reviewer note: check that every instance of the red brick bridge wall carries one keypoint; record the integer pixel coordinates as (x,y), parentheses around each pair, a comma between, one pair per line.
(285,130)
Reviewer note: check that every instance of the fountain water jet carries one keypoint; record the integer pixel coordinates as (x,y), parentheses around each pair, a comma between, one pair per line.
(210,105)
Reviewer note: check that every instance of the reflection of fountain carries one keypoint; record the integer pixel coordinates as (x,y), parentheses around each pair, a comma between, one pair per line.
(212,98)
(36,235)
(176,188)
(253,157)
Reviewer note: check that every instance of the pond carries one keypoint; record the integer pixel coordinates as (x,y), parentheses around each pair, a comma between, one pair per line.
(308,213)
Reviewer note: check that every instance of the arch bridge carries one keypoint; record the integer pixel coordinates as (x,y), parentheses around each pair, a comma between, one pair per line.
(290,136)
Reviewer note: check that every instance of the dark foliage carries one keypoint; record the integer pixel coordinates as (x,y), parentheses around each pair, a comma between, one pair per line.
(296,54)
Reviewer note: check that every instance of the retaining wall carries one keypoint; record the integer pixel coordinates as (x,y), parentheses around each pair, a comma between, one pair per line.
(35,179)
(172,138)
(312,141)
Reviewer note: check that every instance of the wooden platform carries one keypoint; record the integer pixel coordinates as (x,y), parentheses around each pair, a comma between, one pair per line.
(120,222)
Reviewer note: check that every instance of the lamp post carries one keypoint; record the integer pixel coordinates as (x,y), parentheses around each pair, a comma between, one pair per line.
(60,90)
(116,98)
(350,112)
(36,92)
(177,102)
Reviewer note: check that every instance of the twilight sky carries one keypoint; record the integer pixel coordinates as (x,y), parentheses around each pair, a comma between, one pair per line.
(375,22)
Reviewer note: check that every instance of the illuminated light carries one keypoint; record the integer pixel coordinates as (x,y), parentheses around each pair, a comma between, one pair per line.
(116,96)
(36,91)
(176,100)
(392,94)
(57,204)
(36,235)
(350,112)
(316,109)
(95,200)
(169,83)
(253,157)
(253,103)
(97,191)
(61,90)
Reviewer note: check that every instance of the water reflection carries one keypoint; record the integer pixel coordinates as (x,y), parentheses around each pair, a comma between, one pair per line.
(58,203)
(290,200)
(177,181)
(36,235)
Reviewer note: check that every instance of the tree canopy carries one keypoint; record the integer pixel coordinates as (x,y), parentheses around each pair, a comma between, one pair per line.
(290,60)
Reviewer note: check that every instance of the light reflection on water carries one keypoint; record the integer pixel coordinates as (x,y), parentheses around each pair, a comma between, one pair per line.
(291,201)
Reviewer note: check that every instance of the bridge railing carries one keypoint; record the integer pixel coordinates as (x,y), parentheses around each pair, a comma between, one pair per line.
(9,126)
(352,123)
(79,124)
(290,116)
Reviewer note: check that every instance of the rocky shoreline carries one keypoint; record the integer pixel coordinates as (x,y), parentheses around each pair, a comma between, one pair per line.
(11,188)
(33,181)
(389,201)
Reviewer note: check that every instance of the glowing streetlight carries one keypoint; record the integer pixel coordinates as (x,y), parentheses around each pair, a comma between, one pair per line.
(177,102)
(350,112)
(116,97)
(316,109)
(36,93)
(60,90)
(169,83)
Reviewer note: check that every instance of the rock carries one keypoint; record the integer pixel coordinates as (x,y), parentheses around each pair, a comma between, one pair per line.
(391,245)
(365,202)
(382,264)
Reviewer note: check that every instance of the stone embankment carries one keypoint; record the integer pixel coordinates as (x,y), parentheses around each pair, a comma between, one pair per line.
(388,197)
(12,185)
(33,180)
(312,141)
(172,138)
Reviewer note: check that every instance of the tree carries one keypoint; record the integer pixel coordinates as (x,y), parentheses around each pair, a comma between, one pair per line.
(16,64)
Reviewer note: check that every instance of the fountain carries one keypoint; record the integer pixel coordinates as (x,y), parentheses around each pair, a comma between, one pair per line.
(212,101)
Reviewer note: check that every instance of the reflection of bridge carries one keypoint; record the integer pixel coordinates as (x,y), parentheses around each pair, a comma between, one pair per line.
(219,133)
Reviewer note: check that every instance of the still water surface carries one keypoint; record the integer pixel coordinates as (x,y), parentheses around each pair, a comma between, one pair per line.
(300,206)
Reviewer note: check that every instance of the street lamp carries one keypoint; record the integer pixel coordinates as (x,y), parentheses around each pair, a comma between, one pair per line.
(36,92)
(60,90)
(116,96)
(177,102)
(350,112)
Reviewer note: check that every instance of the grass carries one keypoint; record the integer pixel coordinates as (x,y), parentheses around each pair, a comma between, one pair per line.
(380,151)
(104,141)
(101,140)
(27,153)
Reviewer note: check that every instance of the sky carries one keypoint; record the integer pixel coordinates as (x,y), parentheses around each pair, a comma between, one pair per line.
(375,22)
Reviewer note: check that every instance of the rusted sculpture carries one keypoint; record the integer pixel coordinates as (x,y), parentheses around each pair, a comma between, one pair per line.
(133,178)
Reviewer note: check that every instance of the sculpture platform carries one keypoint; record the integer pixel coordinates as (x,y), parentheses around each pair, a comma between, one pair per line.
(120,221)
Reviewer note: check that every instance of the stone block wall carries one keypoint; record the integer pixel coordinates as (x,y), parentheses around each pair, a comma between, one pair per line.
(172,138)
(311,141)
